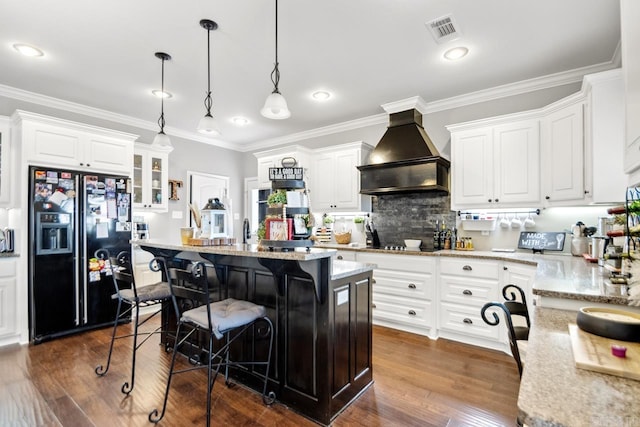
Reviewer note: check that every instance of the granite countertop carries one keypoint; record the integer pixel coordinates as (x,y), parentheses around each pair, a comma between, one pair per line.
(557,276)
(247,250)
(342,269)
(9,255)
(553,392)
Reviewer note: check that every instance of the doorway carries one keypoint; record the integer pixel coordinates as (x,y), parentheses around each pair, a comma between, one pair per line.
(204,186)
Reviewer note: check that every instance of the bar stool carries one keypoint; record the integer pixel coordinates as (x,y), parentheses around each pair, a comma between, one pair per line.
(514,307)
(225,321)
(134,297)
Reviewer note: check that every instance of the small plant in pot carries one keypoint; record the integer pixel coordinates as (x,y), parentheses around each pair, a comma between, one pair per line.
(359,222)
(277,199)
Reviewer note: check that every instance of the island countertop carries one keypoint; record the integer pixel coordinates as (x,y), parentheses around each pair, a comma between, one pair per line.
(554,392)
(240,249)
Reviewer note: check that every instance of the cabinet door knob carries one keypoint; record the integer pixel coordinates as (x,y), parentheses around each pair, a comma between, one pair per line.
(88,164)
(412,286)
(489,200)
(547,197)
(373,306)
(497,200)
(467,268)
(467,292)
(467,321)
(339,257)
(81,164)
(412,313)
(505,268)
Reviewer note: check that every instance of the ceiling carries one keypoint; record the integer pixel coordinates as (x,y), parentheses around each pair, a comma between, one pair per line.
(100,54)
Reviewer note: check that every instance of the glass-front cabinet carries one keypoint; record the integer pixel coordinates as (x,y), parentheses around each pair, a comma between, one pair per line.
(5,162)
(150,178)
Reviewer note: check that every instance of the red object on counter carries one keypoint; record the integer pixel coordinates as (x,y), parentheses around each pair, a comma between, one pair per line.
(615,233)
(616,210)
(619,350)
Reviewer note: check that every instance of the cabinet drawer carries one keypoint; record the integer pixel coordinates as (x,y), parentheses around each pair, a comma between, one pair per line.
(345,255)
(420,264)
(467,267)
(7,268)
(401,310)
(466,320)
(468,291)
(409,285)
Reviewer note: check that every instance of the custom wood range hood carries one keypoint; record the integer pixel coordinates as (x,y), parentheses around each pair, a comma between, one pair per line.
(405,160)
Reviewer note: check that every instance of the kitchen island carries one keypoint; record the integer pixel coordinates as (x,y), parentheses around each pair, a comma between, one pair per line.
(321,311)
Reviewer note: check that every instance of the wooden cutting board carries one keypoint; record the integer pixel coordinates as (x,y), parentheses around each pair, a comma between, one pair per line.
(593,352)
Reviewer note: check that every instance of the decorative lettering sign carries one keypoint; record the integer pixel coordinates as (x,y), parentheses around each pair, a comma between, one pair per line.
(286,173)
(541,241)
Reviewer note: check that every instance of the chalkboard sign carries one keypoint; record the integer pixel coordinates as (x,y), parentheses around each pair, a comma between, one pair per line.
(541,241)
(286,174)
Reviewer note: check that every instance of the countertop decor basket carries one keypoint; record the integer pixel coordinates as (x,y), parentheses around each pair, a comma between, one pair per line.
(342,238)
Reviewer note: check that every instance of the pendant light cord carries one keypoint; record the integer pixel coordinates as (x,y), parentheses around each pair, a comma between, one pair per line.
(208,103)
(275,74)
(161,119)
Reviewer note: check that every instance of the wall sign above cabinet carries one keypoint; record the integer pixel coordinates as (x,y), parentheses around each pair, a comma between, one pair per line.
(286,173)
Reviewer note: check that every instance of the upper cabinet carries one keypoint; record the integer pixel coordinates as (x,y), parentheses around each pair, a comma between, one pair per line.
(273,158)
(563,152)
(495,163)
(150,178)
(49,141)
(5,163)
(335,183)
(630,43)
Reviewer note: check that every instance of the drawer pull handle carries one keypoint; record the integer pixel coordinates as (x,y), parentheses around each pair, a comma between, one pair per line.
(467,321)
(467,292)
(339,257)
(373,281)
(467,268)
(412,313)
(412,286)
(373,306)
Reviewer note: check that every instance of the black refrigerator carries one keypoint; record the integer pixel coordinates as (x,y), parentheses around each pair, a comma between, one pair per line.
(71,215)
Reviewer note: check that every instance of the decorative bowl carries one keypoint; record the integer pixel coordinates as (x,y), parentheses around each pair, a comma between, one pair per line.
(412,243)
(610,323)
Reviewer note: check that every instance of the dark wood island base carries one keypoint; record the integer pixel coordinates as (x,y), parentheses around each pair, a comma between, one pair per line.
(321,311)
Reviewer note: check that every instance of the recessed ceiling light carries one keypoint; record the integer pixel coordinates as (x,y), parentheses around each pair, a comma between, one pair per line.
(161,94)
(321,95)
(240,121)
(28,50)
(456,53)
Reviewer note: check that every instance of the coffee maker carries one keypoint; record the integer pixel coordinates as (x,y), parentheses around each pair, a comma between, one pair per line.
(142,230)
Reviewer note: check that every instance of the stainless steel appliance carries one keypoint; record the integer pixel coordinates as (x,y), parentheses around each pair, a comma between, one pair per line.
(71,215)
(141,230)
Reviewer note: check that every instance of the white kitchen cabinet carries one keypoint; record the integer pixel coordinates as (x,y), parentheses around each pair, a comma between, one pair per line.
(150,178)
(273,158)
(48,141)
(495,163)
(6,163)
(563,152)
(142,273)
(605,180)
(335,183)
(630,45)
(466,284)
(404,292)
(8,302)
(520,275)
(345,255)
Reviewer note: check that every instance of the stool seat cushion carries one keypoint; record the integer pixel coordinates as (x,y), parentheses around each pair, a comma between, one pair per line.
(157,291)
(225,315)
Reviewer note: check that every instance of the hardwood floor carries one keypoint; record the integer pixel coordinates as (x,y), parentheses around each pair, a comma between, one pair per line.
(418,382)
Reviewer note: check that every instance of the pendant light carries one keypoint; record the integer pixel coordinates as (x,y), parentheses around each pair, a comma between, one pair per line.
(162,140)
(208,124)
(275,106)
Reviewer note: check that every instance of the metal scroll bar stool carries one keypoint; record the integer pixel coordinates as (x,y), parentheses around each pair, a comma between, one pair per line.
(514,307)
(133,297)
(225,321)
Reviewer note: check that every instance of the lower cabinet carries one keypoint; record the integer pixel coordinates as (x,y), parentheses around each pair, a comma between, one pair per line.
(144,276)
(403,292)
(465,286)
(8,313)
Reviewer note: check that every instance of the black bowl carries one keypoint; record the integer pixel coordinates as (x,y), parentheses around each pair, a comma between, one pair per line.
(610,323)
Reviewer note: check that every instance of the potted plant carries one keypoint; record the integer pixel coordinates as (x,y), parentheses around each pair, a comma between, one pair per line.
(262,231)
(327,220)
(277,199)
(359,222)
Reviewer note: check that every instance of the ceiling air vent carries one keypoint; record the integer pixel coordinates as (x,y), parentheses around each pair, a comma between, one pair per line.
(443,29)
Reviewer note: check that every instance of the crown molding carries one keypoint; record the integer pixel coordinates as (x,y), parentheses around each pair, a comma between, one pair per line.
(74,107)
(525,86)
